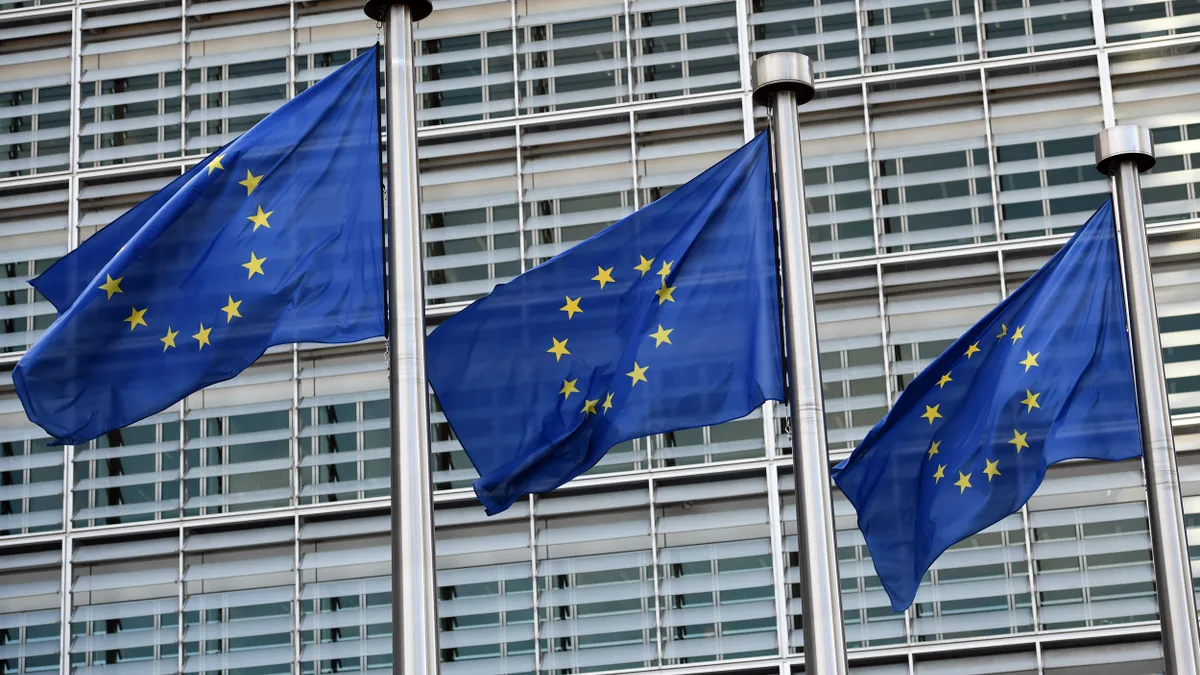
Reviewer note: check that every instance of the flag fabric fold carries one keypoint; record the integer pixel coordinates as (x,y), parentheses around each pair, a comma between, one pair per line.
(666,320)
(1044,377)
(275,238)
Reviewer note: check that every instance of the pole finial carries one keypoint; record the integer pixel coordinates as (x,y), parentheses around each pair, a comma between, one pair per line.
(378,9)
(1124,141)
(782,71)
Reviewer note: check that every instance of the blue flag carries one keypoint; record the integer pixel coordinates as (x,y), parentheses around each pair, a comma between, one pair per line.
(1045,376)
(666,320)
(275,238)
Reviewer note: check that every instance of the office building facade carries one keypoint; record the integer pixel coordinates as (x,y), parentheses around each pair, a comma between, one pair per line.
(244,531)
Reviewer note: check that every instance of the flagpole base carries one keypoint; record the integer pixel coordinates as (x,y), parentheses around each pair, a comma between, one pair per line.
(378,9)
(1123,142)
(782,71)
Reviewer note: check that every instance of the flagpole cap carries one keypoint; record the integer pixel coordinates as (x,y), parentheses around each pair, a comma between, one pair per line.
(1122,142)
(782,71)
(378,9)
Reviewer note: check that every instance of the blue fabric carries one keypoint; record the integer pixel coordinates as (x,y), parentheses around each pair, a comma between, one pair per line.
(187,305)
(1048,377)
(541,377)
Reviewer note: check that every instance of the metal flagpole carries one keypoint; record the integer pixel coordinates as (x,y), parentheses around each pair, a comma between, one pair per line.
(783,81)
(1122,152)
(414,590)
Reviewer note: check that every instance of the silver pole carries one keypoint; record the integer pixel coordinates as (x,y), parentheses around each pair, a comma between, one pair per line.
(414,590)
(783,81)
(1122,152)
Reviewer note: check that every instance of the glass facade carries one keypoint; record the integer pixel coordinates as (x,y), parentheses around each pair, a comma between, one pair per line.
(244,531)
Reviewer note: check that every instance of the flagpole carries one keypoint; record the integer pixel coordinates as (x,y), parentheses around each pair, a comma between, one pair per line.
(414,590)
(782,82)
(1123,152)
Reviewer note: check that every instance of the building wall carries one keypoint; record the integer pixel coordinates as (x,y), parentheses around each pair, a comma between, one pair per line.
(244,531)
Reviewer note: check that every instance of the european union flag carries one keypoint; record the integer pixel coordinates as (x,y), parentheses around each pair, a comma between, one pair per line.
(275,238)
(666,320)
(1045,376)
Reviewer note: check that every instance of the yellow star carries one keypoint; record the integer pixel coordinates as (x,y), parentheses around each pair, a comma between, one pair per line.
(559,349)
(1017,334)
(644,266)
(607,403)
(112,286)
(1030,360)
(932,413)
(216,164)
(589,407)
(662,335)
(604,276)
(973,349)
(251,182)
(571,307)
(260,219)
(255,265)
(136,318)
(940,474)
(202,336)
(664,293)
(1031,401)
(1003,331)
(963,482)
(638,374)
(169,340)
(991,469)
(666,270)
(231,310)
(1018,440)
(568,388)
(945,379)
(933,449)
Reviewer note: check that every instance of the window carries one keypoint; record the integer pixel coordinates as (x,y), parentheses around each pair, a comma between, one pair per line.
(595,579)
(31,474)
(571,54)
(1153,88)
(1091,546)
(465,63)
(33,235)
(238,448)
(715,568)
(686,47)
(125,605)
(130,84)
(30,614)
(35,93)
(826,30)
(345,443)
(931,162)
(485,590)
(236,71)
(469,201)
(239,588)
(1045,163)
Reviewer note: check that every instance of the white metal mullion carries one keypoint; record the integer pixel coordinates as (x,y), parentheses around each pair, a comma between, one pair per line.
(180,599)
(629,19)
(658,610)
(296,609)
(183,78)
(872,173)
(290,91)
(1106,89)
(742,7)
(778,571)
(993,176)
(533,584)
(64,628)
